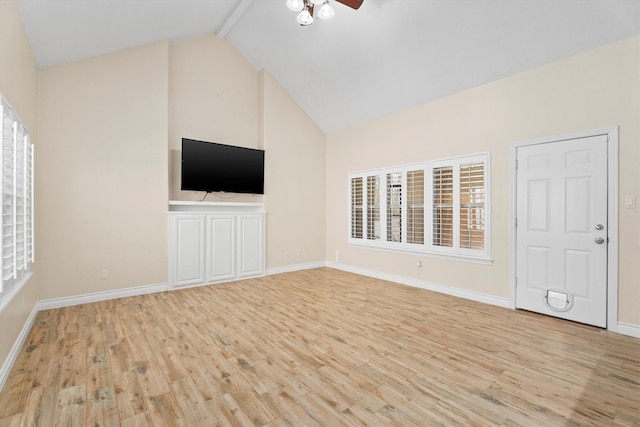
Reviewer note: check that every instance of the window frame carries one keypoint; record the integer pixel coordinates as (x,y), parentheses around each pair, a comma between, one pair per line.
(17,204)
(426,247)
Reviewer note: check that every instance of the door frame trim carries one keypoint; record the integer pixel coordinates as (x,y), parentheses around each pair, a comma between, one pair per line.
(612,213)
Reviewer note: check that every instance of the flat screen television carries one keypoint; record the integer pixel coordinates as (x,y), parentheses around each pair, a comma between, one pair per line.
(209,166)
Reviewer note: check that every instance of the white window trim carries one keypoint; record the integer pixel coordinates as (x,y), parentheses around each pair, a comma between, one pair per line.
(21,178)
(425,249)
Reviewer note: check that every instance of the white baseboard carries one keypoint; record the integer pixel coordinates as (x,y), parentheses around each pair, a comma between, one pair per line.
(17,346)
(99,296)
(456,292)
(629,329)
(296,267)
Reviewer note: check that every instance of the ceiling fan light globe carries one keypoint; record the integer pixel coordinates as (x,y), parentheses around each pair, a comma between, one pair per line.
(305,18)
(326,12)
(295,5)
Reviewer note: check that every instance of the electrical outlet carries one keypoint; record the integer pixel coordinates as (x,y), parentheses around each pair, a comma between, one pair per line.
(298,252)
(286,254)
(104,274)
(419,264)
(630,202)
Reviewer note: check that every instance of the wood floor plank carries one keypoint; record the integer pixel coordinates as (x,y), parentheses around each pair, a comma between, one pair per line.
(317,347)
(71,408)
(12,421)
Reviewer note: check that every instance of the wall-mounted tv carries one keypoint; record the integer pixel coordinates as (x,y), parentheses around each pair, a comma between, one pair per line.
(208,166)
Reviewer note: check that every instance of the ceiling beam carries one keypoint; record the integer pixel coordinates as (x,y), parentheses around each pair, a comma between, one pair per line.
(233,19)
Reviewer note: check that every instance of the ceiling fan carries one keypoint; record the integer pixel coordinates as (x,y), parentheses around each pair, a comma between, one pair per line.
(306,9)
(353,4)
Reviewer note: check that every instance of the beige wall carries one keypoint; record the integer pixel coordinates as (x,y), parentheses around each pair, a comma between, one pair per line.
(101,166)
(19,83)
(593,90)
(213,96)
(294,180)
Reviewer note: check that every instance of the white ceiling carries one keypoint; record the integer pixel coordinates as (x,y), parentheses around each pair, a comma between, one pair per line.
(387,56)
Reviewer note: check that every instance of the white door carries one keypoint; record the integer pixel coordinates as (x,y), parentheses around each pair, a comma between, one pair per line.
(561,250)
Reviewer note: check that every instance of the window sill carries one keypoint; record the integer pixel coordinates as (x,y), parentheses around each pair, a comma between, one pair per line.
(423,252)
(7,299)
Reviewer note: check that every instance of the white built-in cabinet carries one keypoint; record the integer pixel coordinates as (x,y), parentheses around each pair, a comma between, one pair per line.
(215,242)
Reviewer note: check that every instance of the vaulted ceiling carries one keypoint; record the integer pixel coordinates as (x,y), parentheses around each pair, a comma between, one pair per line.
(362,64)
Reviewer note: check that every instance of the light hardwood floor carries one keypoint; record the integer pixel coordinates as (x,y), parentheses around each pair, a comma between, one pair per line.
(317,347)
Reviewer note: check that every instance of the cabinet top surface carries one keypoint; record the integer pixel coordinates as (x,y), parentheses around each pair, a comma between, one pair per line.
(214,207)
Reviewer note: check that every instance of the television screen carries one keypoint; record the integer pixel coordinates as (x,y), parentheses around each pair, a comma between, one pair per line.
(208,166)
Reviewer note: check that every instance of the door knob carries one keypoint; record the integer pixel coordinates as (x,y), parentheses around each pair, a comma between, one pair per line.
(599,240)
(599,227)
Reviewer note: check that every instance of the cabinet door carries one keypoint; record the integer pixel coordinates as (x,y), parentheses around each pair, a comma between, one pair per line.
(221,244)
(187,243)
(250,245)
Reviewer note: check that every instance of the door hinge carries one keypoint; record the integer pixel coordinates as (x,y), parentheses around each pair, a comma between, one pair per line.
(516,281)
(516,223)
(516,164)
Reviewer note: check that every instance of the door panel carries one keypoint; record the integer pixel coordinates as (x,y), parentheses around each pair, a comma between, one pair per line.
(561,270)
(251,245)
(189,250)
(221,244)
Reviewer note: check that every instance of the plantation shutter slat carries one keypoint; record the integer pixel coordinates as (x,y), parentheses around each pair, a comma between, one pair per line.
(357,197)
(394,207)
(29,202)
(373,207)
(8,240)
(472,206)
(415,206)
(442,190)
(18,200)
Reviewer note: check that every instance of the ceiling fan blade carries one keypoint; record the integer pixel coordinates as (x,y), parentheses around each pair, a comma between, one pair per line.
(353,4)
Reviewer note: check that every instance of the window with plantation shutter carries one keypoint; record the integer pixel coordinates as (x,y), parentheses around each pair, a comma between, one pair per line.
(439,208)
(459,206)
(16,210)
(394,208)
(365,218)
